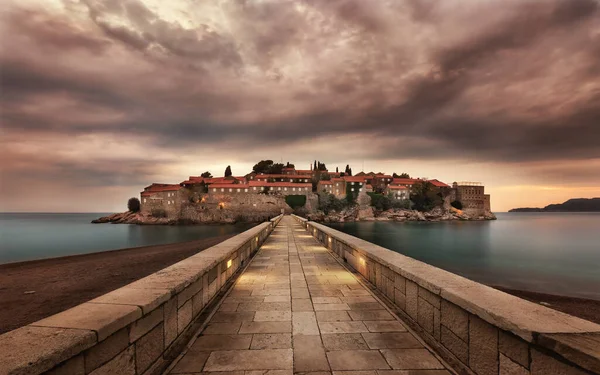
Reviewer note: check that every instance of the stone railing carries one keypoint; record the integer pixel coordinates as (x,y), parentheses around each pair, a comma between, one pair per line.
(301,220)
(137,329)
(276,219)
(477,329)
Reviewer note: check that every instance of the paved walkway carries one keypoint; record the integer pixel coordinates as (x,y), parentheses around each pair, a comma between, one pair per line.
(296,310)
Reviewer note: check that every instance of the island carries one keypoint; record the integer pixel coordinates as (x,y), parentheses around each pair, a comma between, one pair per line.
(315,193)
(572,205)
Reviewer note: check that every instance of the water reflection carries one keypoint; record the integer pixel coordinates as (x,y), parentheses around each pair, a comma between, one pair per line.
(550,253)
(36,236)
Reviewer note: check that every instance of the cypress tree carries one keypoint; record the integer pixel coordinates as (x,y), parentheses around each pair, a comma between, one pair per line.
(228,171)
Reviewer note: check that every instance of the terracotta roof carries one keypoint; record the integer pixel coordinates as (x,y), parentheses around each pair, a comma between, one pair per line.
(438,183)
(236,186)
(354,178)
(381,175)
(405,181)
(340,179)
(156,188)
(323,182)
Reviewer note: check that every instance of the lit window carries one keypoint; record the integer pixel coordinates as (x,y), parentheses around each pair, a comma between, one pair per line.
(230,190)
(238,190)
(222,189)
(278,188)
(285,189)
(144,200)
(215,189)
(352,189)
(245,190)
(293,189)
(254,188)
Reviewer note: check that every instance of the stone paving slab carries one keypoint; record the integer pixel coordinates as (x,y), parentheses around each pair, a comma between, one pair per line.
(296,310)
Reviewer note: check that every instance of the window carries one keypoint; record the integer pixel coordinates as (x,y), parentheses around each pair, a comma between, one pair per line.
(254,188)
(306,188)
(278,188)
(144,200)
(230,190)
(293,189)
(285,189)
(291,180)
(245,190)
(238,190)
(215,189)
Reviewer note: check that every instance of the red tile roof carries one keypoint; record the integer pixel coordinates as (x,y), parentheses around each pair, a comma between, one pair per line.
(405,181)
(438,183)
(157,188)
(354,178)
(323,182)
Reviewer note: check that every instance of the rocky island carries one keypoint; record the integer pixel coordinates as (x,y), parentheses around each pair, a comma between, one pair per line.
(318,194)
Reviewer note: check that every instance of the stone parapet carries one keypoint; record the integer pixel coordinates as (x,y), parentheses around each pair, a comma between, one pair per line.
(137,329)
(477,329)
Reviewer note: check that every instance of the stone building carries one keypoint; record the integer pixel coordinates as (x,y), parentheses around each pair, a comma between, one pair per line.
(472,197)
(257,187)
(397,192)
(161,200)
(325,186)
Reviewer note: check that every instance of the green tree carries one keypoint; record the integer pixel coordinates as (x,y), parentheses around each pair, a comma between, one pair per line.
(228,171)
(133,204)
(402,175)
(295,201)
(426,196)
(262,166)
(206,175)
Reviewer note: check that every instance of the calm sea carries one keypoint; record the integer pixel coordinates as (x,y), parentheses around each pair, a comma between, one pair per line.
(555,253)
(27,236)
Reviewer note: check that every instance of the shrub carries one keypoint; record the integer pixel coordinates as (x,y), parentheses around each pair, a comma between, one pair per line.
(158,212)
(295,201)
(328,202)
(457,204)
(426,196)
(133,204)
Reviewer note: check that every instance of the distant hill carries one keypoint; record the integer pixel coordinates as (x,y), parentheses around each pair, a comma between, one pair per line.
(572,205)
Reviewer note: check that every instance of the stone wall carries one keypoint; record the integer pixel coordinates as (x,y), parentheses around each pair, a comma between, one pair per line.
(477,329)
(137,329)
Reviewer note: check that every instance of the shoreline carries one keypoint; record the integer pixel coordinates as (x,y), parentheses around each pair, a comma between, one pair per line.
(588,309)
(64,282)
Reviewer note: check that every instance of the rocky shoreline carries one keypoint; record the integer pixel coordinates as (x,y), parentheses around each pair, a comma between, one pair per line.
(350,214)
(357,213)
(133,218)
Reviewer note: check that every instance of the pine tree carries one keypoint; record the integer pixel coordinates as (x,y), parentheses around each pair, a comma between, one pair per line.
(337,170)
(228,171)
(315,166)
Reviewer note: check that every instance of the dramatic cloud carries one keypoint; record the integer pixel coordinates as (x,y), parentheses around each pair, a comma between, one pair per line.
(122,92)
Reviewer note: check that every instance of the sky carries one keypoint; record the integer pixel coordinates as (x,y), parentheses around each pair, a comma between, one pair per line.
(100,98)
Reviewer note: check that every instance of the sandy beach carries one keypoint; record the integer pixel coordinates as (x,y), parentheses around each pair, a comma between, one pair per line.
(33,290)
(587,309)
